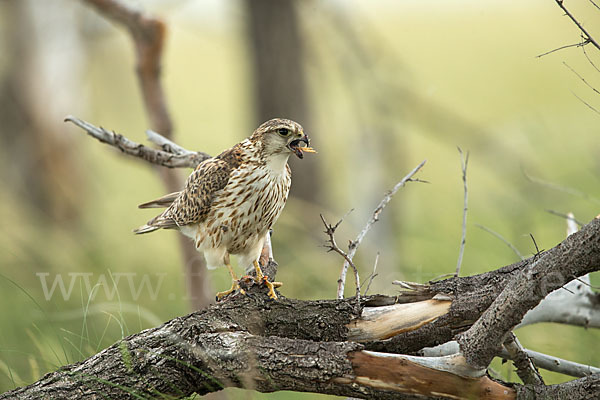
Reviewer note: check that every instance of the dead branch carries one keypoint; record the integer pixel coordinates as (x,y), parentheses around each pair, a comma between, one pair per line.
(325,346)
(550,271)
(540,360)
(168,157)
(586,36)
(332,246)
(525,368)
(353,246)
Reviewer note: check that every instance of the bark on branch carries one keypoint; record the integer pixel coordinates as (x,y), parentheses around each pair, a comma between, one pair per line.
(324,346)
(578,255)
(170,156)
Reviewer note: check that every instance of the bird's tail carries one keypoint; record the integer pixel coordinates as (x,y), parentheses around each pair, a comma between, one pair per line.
(161,202)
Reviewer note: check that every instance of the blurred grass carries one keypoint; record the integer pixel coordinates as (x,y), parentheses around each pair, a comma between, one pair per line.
(443,77)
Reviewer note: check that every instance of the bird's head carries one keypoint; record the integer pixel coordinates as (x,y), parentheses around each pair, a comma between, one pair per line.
(282,136)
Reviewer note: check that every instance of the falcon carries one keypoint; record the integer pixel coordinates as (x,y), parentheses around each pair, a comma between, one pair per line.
(231,201)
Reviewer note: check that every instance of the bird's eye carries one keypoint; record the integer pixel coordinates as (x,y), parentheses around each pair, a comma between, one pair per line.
(284,131)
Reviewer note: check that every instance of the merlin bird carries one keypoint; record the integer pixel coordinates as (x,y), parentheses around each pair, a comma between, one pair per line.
(230,201)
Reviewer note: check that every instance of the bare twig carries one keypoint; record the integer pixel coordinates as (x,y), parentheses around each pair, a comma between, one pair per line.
(537,249)
(374,218)
(373,274)
(332,246)
(160,157)
(464,162)
(591,107)
(589,59)
(586,36)
(525,368)
(568,217)
(581,78)
(560,188)
(580,44)
(499,236)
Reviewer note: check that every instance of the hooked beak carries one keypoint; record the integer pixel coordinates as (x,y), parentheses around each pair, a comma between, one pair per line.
(295,147)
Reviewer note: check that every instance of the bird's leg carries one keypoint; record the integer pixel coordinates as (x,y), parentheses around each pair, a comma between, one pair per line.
(261,278)
(234,285)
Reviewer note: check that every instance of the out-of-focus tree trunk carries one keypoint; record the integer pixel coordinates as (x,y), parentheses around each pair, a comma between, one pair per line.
(38,84)
(280,90)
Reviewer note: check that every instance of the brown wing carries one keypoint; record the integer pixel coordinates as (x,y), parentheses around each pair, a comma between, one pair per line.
(194,201)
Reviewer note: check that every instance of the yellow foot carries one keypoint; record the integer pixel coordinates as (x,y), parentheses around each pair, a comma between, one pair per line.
(234,286)
(260,278)
(271,287)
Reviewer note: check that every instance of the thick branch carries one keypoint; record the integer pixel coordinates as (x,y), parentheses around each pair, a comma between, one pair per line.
(237,343)
(203,351)
(578,255)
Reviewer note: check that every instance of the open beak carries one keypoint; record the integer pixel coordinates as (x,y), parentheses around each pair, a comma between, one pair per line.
(296,148)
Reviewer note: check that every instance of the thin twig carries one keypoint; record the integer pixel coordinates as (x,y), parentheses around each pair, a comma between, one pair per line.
(568,217)
(595,4)
(525,368)
(332,246)
(373,274)
(589,59)
(594,109)
(537,249)
(581,78)
(559,188)
(499,236)
(586,35)
(464,162)
(129,147)
(374,218)
(580,44)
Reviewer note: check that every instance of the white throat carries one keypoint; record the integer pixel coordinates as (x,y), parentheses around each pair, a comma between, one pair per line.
(276,162)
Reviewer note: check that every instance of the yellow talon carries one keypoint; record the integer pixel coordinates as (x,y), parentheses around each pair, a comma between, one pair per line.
(260,277)
(235,285)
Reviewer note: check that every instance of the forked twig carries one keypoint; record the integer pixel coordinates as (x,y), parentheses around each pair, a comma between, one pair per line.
(332,246)
(353,246)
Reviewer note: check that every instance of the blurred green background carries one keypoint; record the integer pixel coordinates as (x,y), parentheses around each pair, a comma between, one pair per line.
(386,85)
